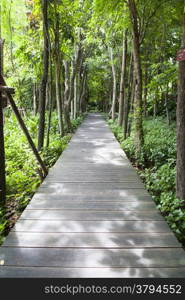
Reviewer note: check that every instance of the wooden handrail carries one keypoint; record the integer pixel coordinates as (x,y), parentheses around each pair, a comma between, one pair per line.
(22,124)
(7,89)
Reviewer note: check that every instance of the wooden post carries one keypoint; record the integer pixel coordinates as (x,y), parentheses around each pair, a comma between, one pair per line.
(8,92)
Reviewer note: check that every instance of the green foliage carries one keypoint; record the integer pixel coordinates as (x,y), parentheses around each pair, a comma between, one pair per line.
(117,130)
(160,142)
(21,167)
(158,169)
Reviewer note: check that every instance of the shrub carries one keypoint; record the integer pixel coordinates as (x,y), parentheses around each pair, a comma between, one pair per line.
(22,169)
(158,169)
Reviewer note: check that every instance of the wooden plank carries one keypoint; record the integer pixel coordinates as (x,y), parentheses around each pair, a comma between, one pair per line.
(98,196)
(88,188)
(90,226)
(92,205)
(91,240)
(92,258)
(49,272)
(91,158)
(90,216)
(88,169)
(84,177)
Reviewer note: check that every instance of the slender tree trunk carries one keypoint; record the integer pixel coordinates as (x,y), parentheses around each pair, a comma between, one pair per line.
(113,110)
(66,93)
(128,99)
(155,109)
(180,184)
(132,96)
(59,97)
(79,57)
(49,114)
(145,89)
(35,99)
(47,96)
(11,35)
(2,146)
(75,96)
(2,159)
(50,96)
(166,106)
(83,92)
(122,80)
(71,91)
(1,55)
(138,77)
(58,63)
(43,86)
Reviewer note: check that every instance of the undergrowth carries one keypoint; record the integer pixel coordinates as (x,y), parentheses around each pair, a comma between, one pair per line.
(157,168)
(22,170)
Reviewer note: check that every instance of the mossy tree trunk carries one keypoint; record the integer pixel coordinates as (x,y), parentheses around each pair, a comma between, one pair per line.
(138,77)
(122,80)
(44,79)
(180,185)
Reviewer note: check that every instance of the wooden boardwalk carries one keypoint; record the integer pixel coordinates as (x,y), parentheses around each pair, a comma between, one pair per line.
(92,217)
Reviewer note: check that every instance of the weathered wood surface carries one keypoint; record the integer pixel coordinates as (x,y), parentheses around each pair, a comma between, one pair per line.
(92,217)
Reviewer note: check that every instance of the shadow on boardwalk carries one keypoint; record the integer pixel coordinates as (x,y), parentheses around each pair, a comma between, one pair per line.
(92,217)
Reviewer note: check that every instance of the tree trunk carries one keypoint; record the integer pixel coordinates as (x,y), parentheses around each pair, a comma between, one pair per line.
(71,92)
(127,102)
(145,89)
(122,80)
(58,63)
(155,109)
(2,158)
(132,96)
(35,98)
(66,94)
(1,55)
(166,107)
(59,96)
(138,78)
(2,147)
(50,104)
(43,86)
(83,92)
(77,83)
(113,110)
(180,184)
(75,96)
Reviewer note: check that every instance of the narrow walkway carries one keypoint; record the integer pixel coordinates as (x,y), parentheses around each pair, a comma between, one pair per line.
(92,217)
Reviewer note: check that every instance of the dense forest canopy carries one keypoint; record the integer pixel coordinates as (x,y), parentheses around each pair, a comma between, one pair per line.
(64,58)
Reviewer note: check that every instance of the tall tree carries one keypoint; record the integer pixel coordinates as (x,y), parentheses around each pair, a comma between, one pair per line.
(138,76)
(2,151)
(122,80)
(113,109)
(43,86)
(180,186)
